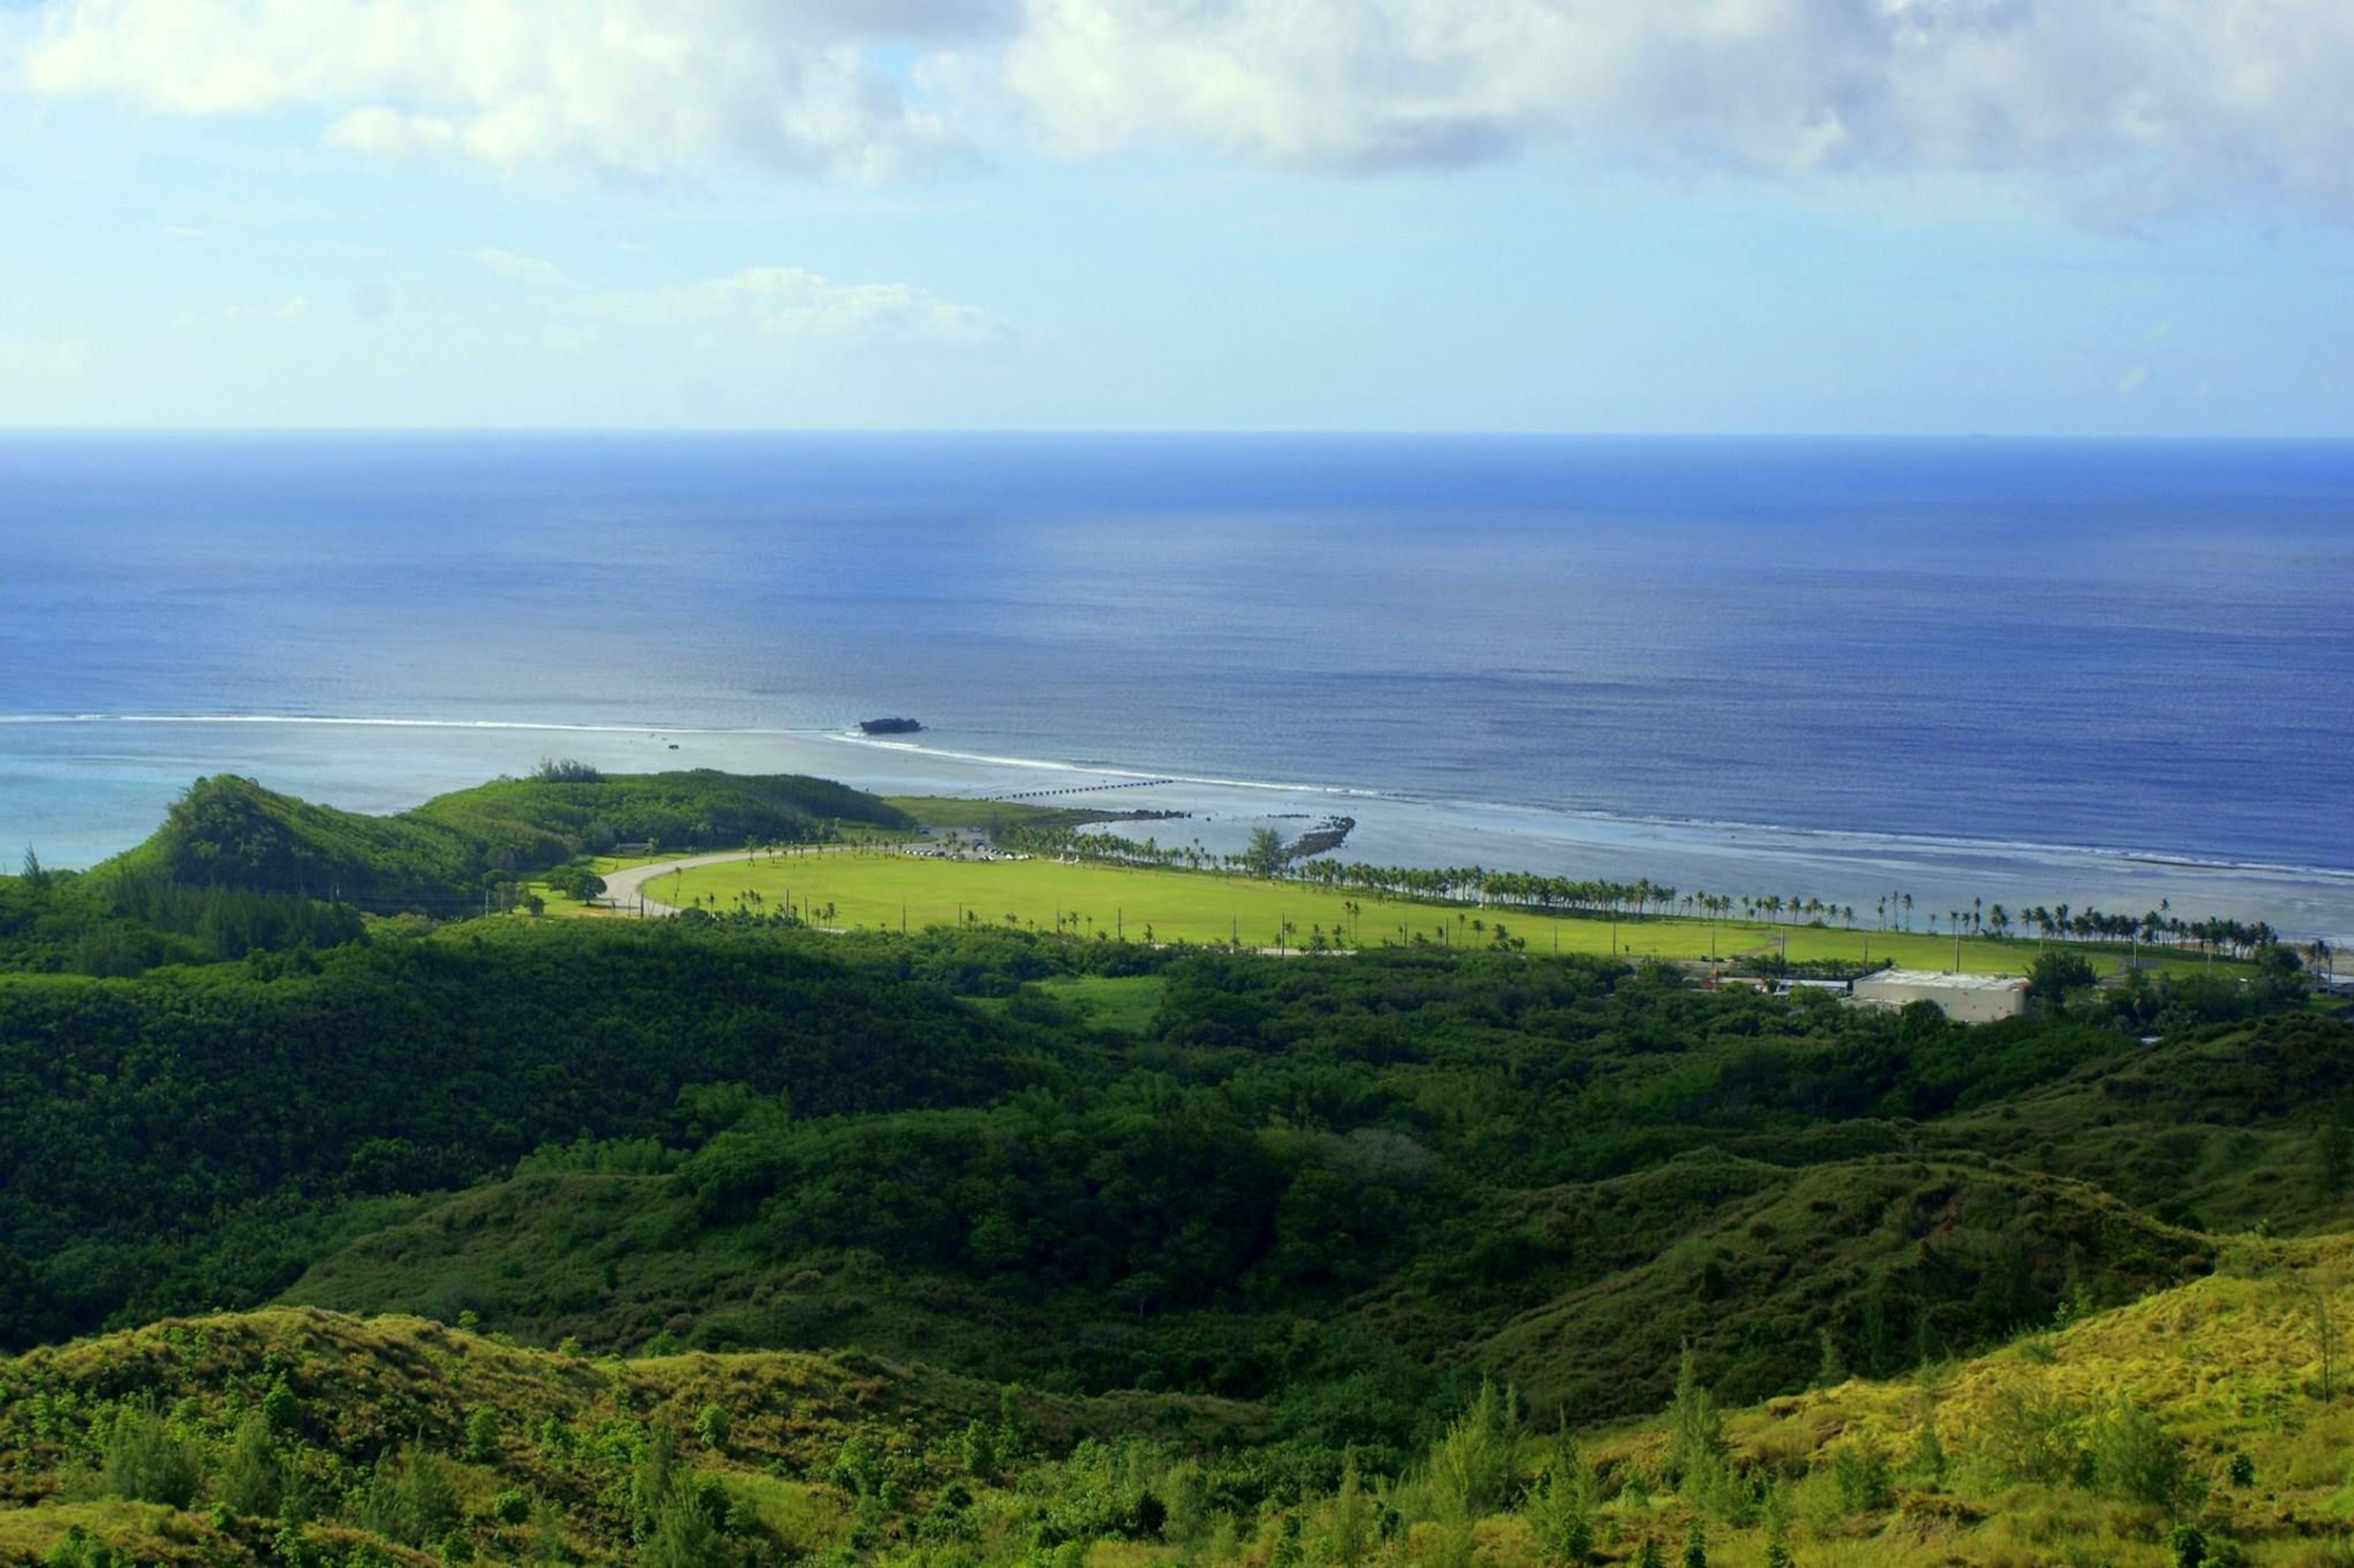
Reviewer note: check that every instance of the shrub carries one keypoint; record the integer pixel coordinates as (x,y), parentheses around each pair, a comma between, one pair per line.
(79,1549)
(483,1435)
(1559,1509)
(1695,1430)
(715,1427)
(280,1408)
(251,1475)
(1472,1468)
(1860,1472)
(411,1498)
(2137,1459)
(2026,1436)
(145,1461)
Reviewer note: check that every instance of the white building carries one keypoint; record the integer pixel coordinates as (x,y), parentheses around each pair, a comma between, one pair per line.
(1965,998)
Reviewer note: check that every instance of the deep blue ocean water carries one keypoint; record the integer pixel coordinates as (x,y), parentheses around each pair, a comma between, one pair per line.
(1943,646)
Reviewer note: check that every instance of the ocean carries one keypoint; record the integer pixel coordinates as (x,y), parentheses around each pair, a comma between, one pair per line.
(2026,672)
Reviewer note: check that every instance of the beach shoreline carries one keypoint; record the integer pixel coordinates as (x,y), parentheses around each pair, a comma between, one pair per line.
(93,785)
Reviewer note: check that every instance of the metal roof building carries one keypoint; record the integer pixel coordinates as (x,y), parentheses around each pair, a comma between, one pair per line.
(1965,998)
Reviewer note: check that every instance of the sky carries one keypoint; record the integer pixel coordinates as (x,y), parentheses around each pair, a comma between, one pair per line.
(2127,218)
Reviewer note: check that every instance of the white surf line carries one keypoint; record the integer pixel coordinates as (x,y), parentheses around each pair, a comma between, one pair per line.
(1714,834)
(324,721)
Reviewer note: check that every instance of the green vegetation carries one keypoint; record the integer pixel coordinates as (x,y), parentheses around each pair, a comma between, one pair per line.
(342,1241)
(237,870)
(445,856)
(179,1139)
(1098,901)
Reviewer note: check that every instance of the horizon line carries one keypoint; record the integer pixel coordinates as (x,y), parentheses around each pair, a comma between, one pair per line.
(1199,431)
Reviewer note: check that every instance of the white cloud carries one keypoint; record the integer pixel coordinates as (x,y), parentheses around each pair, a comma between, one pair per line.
(2144,103)
(528,269)
(288,308)
(292,308)
(2130,384)
(792,302)
(42,364)
(629,87)
(2191,98)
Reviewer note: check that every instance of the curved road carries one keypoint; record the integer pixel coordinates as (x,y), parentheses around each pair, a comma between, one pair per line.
(624,889)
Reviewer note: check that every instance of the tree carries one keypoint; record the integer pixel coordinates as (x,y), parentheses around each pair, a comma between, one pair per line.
(2136,1459)
(1349,1521)
(1695,1430)
(250,1477)
(581,886)
(1471,1469)
(2055,974)
(411,1498)
(1265,857)
(482,1434)
(145,1461)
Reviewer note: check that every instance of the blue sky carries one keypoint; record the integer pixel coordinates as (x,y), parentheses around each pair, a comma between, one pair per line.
(2040,217)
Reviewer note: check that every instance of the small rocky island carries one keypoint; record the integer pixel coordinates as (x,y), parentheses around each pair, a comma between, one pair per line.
(1324,837)
(888,727)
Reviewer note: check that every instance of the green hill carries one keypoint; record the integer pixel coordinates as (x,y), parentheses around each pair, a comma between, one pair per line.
(231,832)
(1557,1291)
(301,1434)
(1303,1263)
(2224,1129)
(178,1140)
(2199,1423)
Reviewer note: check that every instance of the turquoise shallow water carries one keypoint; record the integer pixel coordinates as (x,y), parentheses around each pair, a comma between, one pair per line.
(2093,672)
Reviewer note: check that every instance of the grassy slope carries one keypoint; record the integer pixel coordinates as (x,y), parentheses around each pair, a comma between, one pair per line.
(870,890)
(2229,1364)
(566,1424)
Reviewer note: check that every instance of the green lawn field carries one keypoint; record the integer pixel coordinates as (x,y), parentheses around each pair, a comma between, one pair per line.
(869,890)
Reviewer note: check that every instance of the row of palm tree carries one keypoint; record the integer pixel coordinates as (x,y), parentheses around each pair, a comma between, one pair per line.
(1538,893)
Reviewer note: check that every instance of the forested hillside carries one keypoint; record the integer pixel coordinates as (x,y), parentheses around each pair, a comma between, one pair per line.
(723,1240)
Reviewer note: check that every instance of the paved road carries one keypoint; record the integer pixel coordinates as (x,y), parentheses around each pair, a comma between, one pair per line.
(623,888)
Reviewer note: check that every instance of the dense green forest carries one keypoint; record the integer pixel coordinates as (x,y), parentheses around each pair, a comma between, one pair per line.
(716,1240)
